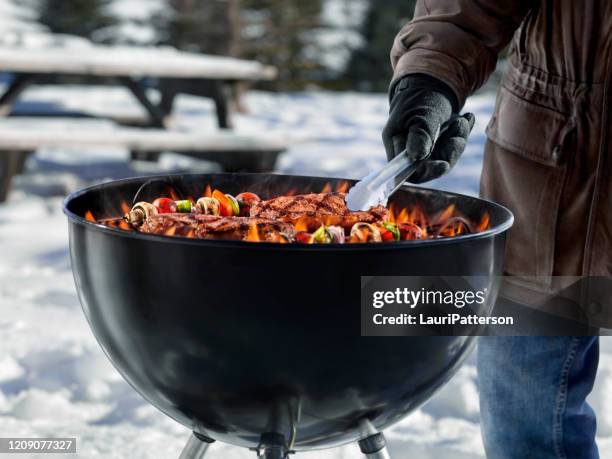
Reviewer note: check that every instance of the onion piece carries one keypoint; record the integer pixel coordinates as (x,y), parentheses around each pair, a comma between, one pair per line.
(208,206)
(410,231)
(364,232)
(337,234)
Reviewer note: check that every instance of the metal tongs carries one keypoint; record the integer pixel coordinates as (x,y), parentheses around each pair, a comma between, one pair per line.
(376,188)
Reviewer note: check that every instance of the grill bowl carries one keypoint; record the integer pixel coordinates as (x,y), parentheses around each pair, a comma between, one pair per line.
(237,339)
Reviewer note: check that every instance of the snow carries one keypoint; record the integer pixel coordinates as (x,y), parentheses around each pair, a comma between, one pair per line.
(135,22)
(137,10)
(55,380)
(17,19)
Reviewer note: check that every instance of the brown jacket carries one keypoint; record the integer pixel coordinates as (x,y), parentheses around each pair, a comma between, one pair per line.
(548,155)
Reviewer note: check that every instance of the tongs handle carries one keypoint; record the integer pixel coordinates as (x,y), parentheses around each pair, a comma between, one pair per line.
(376,188)
(399,169)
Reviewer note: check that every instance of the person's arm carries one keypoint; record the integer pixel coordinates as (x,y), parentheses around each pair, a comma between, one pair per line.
(456,42)
(443,55)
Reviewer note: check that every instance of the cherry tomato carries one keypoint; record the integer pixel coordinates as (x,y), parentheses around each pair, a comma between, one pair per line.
(246,201)
(386,235)
(410,231)
(303,237)
(165,205)
(248,198)
(392,228)
(225,205)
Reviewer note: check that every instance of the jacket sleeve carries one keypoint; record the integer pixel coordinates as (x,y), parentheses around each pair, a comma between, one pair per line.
(457,41)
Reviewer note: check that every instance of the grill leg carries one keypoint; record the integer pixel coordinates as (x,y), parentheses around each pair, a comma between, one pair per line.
(272,446)
(372,444)
(374,447)
(196,447)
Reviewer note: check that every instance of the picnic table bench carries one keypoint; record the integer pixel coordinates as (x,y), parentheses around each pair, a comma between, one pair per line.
(171,71)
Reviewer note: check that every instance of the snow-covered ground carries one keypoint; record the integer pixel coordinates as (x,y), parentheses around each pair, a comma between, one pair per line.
(54,379)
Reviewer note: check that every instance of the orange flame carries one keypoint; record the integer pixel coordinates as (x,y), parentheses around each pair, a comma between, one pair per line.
(277,237)
(125,208)
(446,214)
(170,231)
(173,195)
(253,233)
(484,222)
(327,188)
(301,224)
(89,217)
(342,187)
(207,192)
(415,216)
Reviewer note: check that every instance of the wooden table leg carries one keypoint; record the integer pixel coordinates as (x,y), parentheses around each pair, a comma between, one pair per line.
(220,98)
(217,90)
(12,93)
(156,113)
(8,168)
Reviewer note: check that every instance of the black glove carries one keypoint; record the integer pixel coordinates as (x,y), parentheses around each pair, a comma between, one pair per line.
(423,109)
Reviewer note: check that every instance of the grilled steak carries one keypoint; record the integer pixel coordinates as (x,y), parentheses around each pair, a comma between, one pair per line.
(215,227)
(310,211)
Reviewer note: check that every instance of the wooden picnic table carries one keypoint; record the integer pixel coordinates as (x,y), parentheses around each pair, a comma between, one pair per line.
(174,72)
(177,71)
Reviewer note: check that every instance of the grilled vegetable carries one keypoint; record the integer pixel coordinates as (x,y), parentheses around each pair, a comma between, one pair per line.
(234,204)
(321,236)
(364,232)
(248,198)
(184,207)
(225,205)
(410,231)
(140,212)
(246,201)
(208,206)
(337,234)
(165,205)
(389,232)
(303,237)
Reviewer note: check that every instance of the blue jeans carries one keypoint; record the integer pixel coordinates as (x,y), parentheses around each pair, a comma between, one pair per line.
(533,393)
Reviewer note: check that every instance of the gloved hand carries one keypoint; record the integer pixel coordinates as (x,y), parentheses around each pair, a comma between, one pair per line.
(424,109)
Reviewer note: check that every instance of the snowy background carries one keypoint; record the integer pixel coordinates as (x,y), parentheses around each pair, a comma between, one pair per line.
(54,379)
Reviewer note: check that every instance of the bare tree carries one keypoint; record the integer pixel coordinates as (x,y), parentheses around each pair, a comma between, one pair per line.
(206,26)
(76,17)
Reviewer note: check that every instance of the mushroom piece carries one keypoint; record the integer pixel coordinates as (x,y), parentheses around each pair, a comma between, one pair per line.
(208,206)
(139,213)
(364,232)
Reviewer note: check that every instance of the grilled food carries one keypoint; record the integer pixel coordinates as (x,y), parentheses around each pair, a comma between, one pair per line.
(217,227)
(315,218)
(311,211)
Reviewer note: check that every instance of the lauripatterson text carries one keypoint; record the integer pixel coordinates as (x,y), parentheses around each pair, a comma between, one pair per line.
(448,319)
